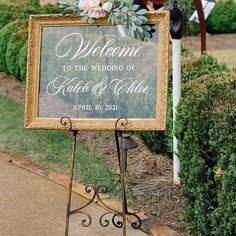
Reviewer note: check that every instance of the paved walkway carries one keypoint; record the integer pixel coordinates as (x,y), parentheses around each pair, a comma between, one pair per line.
(33,206)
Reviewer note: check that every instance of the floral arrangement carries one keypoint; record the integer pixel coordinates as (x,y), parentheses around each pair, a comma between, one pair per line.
(117,12)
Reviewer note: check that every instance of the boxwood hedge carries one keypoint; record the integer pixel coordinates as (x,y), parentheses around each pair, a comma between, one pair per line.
(223,18)
(206,130)
(192,68)
(22,60)
(14,47)
(5,35)
(14,18)
(7,14)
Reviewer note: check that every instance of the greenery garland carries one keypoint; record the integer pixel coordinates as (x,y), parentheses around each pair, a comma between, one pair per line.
(132,16)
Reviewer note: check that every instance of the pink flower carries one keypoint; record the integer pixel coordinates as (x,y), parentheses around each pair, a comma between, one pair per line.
(97,12)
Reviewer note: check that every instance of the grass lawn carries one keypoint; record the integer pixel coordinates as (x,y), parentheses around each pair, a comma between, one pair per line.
(226,56)
(51,149)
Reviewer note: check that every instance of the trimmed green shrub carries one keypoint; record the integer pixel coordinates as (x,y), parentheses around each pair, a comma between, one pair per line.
(12,13)
(192,68)
(12,27)
(22,61)
(5,34)
(156,141)
(47,9)
(223,18)
(14,46)
(206,130)
(35,3)
(20,3)
(7,14)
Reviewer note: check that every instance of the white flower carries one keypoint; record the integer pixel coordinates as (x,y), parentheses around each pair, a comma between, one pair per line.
(92,3)
(88,5)
(107,6)
(81,4)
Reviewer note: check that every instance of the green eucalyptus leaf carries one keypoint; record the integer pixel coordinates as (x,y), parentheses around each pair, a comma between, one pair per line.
(112,20)
(142,18)
(136,7)
(125,9)
(125,16)
(147,27)
(122,5)
(139,22)
(82,13)
(116,14)
(141,12)
(116,10)
(85,18)
(133,26)
(90,20)
(137,35)
(140,29)
(69,10)
(135,18)
(147,34)
(132,33)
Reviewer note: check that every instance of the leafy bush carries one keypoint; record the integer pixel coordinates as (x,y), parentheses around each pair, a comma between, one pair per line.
(19,15)
(192,68)
(223,18)
(20,3)
(12,13)
(206,130)
(7,14)
(22,61)
(18,10)
(156,141)
(5,34)
(47,9)
(14,46)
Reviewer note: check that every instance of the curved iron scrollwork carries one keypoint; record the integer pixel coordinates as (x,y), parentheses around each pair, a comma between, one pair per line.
(86,222)
(122,123)
(104,189)
(137,223)
(65,121)
(116,222)
(103,221)
(107,218)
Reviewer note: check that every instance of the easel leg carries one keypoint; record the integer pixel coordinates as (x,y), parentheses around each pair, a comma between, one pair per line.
(122,181)
(70,183)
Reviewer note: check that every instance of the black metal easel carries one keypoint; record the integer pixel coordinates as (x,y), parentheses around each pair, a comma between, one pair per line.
(123,143)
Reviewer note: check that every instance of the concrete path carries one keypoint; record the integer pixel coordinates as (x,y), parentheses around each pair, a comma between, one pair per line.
(33,206)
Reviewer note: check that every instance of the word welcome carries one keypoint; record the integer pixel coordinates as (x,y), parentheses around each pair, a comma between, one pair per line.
(66,48)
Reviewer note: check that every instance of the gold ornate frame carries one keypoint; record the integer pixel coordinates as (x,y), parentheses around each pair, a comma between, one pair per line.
(32,84)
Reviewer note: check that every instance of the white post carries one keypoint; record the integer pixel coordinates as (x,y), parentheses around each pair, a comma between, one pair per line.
(176,58)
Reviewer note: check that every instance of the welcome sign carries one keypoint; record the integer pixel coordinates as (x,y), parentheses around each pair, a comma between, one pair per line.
(95,74)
